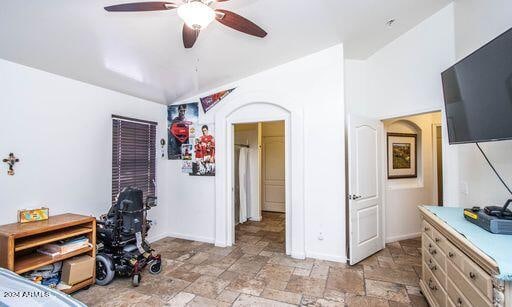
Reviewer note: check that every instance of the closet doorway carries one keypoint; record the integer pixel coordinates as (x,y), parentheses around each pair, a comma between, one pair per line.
(259,186)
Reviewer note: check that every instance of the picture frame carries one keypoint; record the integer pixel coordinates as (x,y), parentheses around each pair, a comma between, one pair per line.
(402,155)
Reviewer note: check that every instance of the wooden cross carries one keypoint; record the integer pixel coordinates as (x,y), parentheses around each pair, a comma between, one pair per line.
(11,160)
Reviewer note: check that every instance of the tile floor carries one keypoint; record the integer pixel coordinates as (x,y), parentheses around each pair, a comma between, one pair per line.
(256,272)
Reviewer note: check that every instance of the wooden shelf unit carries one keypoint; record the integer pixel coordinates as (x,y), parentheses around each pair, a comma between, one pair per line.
(18,243)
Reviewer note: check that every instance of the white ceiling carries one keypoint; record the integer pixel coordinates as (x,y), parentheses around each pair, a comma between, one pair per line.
(142,54)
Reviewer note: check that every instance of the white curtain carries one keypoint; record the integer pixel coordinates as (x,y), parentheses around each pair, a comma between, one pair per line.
(242,180)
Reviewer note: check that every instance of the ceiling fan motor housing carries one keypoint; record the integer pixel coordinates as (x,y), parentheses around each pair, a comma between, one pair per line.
(196,14)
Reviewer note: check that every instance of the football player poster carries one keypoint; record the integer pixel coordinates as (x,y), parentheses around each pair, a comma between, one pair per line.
(180,123)
(203,163)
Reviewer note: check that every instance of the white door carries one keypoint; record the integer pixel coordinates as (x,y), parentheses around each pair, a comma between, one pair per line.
(364,191)
(273,174)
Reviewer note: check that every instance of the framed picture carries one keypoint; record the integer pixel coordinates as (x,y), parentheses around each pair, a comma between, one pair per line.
(402,162)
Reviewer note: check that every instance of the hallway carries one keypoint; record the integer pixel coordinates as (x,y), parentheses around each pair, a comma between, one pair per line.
(257,272)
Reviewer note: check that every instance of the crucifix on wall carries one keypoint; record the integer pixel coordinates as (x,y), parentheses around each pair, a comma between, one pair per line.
(11,160)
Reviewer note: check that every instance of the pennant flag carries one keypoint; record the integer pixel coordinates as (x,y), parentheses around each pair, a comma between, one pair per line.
(209,102)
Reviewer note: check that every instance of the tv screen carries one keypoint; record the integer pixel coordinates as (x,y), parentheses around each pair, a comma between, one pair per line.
(478,94)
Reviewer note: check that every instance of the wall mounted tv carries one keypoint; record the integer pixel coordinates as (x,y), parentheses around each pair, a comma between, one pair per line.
(478,94)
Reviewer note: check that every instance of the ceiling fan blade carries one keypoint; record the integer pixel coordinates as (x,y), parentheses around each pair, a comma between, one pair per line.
(189,36)
(141,7)
(239,23)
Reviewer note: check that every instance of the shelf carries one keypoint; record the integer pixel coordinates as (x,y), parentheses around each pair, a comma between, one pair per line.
(79,286)
(44,238)
(33,261)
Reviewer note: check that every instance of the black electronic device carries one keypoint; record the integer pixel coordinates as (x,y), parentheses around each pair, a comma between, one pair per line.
(478,104)
(478,94)
(500,212)
(488,222)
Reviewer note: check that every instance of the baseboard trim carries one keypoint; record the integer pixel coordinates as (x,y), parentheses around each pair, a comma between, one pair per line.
(256,219)
(220,244)
(328,257)
(157,237)
(191,238)
(298,255)
(403,237)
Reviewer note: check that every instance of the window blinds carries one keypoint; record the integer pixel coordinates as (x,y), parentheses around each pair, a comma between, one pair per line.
(133,155)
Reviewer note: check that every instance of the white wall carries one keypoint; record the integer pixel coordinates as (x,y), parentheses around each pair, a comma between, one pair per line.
(61,131)
(476,23)
(313,84)
(404,78)
(403,196)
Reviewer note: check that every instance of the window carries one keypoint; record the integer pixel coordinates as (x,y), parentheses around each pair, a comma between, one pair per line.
(133,155)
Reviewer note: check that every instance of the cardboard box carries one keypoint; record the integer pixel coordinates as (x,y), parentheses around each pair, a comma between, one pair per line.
(77,269)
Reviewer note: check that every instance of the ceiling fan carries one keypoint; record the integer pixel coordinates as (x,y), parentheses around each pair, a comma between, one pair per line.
(197,15)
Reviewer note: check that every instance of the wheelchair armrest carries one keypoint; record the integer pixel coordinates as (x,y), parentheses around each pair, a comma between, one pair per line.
(151,201)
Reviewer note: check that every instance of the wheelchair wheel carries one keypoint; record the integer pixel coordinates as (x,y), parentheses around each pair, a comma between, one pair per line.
(136,280)
(155,267)
(104,269)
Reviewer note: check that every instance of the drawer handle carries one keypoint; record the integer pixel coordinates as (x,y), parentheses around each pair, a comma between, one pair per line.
(472,275)
(459,302)
(432,251)
(426,228)
(437,240)
(433,267)
(451,255)
(432,287)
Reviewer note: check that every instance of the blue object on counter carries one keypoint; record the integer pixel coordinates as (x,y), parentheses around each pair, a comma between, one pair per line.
(496,246)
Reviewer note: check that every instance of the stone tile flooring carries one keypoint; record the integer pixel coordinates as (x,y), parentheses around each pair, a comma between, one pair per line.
(256,272)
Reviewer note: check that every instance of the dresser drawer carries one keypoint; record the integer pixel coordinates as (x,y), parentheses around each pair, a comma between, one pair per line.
(454,255)
(462,283)
(436,290)
(434,268)
(478,277)
(434,250)
(427,228)
(440,240)
(457,298)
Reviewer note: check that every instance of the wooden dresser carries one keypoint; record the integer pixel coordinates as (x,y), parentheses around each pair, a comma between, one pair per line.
(18,243)
(455,272)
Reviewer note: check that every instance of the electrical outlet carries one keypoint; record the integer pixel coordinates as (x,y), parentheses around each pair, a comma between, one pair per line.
(320,237)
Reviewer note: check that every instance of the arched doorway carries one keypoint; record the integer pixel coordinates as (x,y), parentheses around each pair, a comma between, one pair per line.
(247,111)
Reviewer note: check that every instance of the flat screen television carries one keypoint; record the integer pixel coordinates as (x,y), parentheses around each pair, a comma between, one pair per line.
(478,94)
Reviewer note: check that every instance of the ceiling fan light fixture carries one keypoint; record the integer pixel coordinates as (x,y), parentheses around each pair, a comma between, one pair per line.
(196,14)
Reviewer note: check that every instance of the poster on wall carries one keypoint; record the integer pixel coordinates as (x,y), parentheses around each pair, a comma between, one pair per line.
(401,155)
(186,167)
(181,120)
(186,151)
(203,162)
(209,102)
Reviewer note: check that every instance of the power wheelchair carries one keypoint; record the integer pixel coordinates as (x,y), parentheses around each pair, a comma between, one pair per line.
(121,233)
